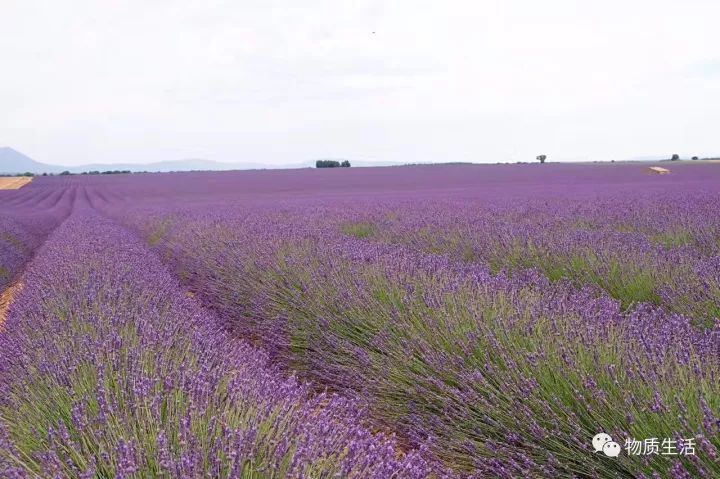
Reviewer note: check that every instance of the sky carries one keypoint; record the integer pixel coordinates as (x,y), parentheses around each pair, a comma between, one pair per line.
(282,82)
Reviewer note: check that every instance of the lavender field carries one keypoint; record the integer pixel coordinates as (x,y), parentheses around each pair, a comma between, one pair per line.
(459,321)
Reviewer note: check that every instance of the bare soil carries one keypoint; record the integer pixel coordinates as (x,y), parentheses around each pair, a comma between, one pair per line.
(6,298)
(14,182)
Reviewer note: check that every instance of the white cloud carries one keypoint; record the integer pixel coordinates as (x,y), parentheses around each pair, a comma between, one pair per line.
(284,81)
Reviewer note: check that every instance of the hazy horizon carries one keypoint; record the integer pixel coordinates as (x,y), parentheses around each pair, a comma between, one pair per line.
(197,164)
(411,82)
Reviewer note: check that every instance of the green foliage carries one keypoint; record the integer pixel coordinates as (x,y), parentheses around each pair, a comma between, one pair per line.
(158,231)
(327,164)
(378,331)
(674,238)
(108,172)
(332,164)
(360,230)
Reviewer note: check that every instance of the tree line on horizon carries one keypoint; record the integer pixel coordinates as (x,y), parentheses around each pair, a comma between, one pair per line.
(332,164)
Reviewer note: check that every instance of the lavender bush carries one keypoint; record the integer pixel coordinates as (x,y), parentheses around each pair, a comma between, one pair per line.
(26,219)
(508,376)
(108,370)
(655,248)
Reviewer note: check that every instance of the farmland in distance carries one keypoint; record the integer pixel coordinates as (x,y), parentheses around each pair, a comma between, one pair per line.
(14,182)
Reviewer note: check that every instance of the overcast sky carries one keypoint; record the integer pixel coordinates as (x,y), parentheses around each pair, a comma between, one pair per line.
(395,80)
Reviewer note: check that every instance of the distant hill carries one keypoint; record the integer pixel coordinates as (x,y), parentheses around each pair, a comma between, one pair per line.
(199,164)
(13,162)
(176,165)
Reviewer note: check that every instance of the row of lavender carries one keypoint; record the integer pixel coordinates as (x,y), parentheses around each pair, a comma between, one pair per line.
(662,248)
(506,376)
(107,369)
(26,218)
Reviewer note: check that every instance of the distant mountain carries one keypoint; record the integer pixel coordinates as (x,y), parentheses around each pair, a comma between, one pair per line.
(199,164)
(13,162)
(175,165)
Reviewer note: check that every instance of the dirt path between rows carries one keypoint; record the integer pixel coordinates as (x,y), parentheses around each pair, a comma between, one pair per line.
(6,299)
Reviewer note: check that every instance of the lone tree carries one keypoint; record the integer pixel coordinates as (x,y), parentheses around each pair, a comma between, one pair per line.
(675,157)
(541,158)
(695,158)
(345,164)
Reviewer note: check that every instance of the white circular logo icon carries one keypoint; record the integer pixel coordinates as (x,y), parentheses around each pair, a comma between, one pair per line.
(603,442)
(611,449)
(599,441)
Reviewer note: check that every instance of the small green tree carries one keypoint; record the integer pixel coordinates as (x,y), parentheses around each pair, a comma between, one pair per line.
(345,164)
(675,157)
(541,158)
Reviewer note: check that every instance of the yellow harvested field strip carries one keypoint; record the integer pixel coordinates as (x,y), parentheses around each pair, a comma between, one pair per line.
(14,182)
(6,298)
